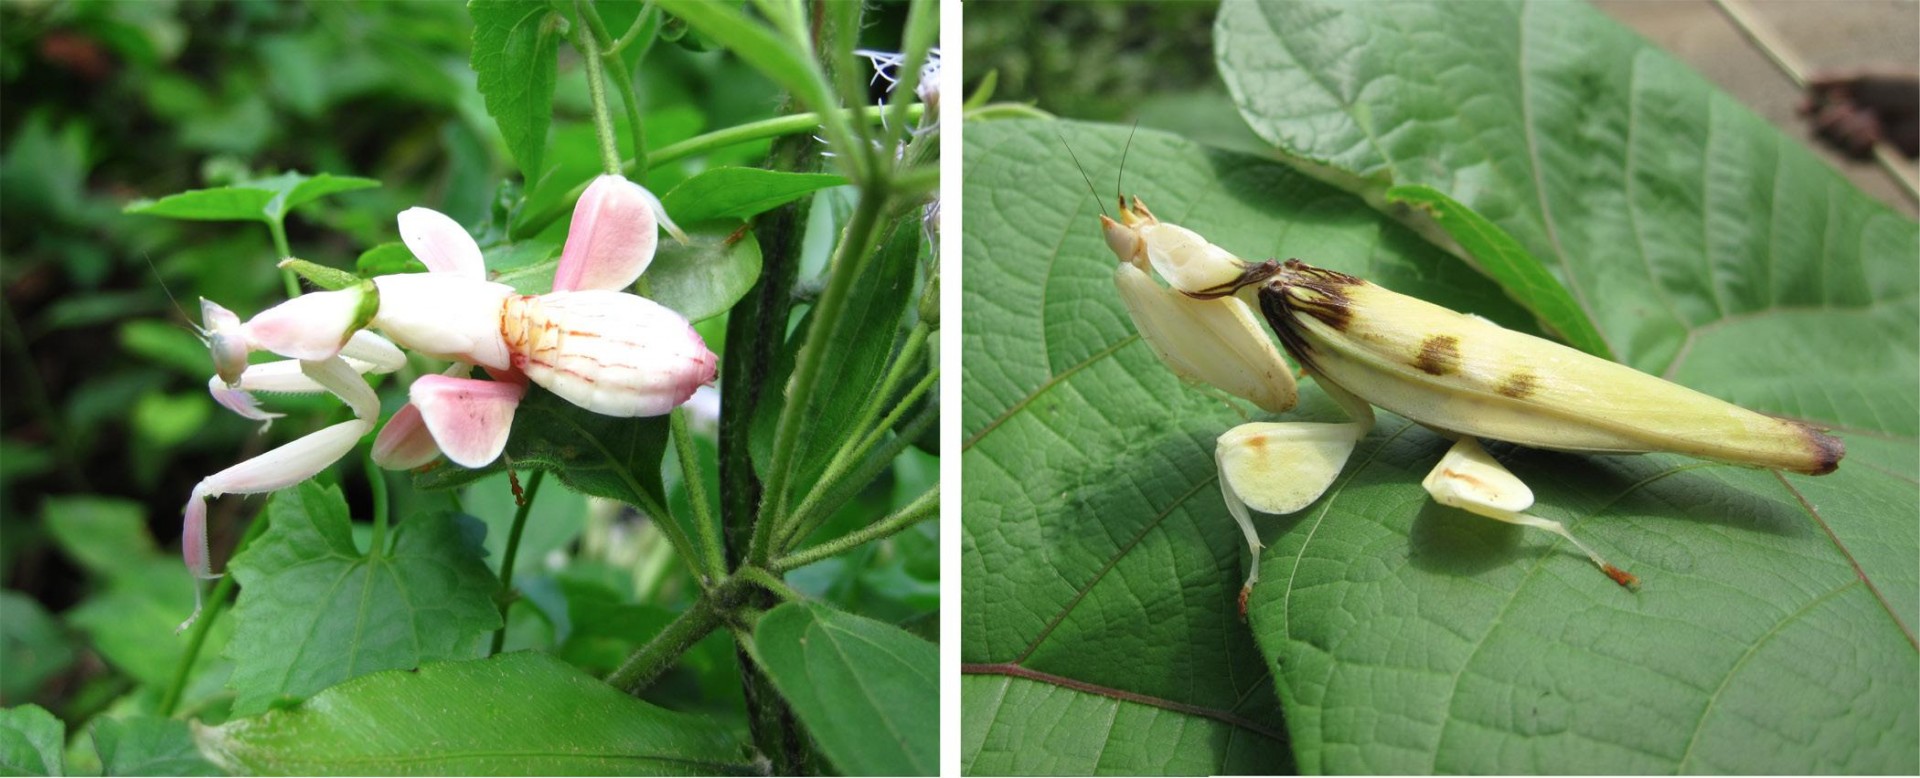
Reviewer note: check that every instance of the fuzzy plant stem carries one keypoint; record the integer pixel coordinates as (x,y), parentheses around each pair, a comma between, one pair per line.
(512,553)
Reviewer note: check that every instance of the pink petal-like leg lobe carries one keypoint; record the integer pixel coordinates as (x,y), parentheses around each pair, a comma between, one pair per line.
(311,326)
(405,443)
(612,238)
(469,418)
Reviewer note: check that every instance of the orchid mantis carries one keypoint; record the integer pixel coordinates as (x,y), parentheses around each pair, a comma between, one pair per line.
(1457,374)
(587,341)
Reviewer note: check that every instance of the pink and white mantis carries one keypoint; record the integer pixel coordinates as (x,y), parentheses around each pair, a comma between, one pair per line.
(587,341)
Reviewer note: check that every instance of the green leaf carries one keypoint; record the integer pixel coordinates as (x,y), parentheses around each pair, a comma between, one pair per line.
(265,199)
(740,192)
(515,43)
(1500,257)
(1040,727)
(869,692)
(757,45)
(102,534)
(147,745)
(314,610)
(387,259)
(166,420)
(31,742)
(523,713)
(702,279)
(855,356)
(598,455)
(1096,548)
(705,277)
(1706,247)
(31,646)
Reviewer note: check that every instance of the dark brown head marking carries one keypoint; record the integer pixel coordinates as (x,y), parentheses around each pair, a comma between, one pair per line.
(1519,385)
(1439,355)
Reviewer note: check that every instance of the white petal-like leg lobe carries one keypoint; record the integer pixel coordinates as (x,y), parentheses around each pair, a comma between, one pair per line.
(1470,479)
(441,243)
(469,418)
(610,353)
(1215,342)
(612,237)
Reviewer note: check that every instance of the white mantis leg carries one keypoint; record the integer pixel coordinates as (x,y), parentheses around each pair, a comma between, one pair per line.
(1471,480)
(1282,467)
(284,466)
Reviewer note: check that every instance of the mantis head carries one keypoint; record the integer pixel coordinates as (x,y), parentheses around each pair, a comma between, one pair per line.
(1189,263)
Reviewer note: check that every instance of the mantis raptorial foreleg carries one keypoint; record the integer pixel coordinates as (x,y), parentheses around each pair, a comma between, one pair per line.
(1470,479)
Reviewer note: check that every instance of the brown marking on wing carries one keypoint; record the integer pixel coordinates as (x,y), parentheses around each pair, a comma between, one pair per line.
(1519,385)
(1439,355)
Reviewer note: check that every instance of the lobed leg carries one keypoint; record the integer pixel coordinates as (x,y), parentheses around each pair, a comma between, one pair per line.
(1282,467)
(1471,480)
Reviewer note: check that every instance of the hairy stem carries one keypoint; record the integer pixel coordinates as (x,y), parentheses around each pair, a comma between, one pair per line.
(924,507)
(597,92)
(645,665)
(834,495)
(622,81)
(690,473)
(512,552)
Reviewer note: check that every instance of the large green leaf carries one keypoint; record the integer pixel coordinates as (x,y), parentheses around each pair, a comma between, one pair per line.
(1045,726)
(523,713)
(147,745)
(515,43)
(868,691)
(740,192)
(315,610)
(265,199)
(31,742)
(31,645)
(1703,245)
(1096,546)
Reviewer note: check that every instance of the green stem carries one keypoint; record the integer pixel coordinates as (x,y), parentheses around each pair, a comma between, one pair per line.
(622,81)
(770,582)
(198,636)
(922,30)
(855,451)
(908,358)
(513,552)
(645,665)
(834,495)
(278,229)
(924,507)
(647,24)
(847,262)
(597,92)
(700,144)
(377,481)
(690,474)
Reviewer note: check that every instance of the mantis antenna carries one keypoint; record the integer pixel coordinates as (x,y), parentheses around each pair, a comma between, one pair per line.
(1083,170)
(1120,178)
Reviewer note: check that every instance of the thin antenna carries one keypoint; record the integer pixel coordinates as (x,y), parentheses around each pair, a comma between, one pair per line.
(170,298)
(1083,172)
(1119,179)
